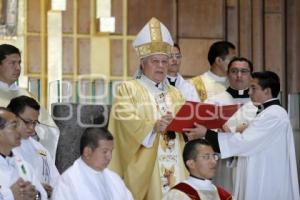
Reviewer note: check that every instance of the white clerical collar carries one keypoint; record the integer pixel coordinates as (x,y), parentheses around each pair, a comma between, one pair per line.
(200,184)
(5,86)
(172,78)
(238,93)
(271,100)
(242,92)
(216,77)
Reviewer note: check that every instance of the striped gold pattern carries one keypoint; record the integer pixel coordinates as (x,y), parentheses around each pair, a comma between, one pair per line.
(153,48)
(155,31)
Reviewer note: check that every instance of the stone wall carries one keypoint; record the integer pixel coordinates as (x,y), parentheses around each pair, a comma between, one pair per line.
(72,119)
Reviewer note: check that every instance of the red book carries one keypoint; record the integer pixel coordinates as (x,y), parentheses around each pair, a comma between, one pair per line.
(209,115)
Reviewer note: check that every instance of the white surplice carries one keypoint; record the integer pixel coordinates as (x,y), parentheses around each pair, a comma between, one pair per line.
(266,168)
(82,182)
(11,169)
(245,114)
(187,89)
(225,176)
(39,157)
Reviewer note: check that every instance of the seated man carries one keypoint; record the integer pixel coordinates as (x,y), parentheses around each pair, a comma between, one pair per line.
(201,161)
(17,179)
(88,178)
(27,109)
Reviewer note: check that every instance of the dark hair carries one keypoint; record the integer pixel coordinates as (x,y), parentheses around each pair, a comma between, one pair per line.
(242,59)
(219,49)
(91,137)
(190,152)
(268,79)
(7,49)
(17,105)
(2,120)
(177,46)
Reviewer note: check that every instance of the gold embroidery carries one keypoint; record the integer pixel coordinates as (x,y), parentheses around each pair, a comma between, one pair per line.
(155,31)
(200,87)
(42,153)
(153,48)
(156,44)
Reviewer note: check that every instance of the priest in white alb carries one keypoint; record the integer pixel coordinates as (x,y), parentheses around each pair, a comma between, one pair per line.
(88,178)
(27,110)
(17,178)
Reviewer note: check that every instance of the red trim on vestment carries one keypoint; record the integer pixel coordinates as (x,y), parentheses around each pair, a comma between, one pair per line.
(224,195)
(193,194)
(188,190)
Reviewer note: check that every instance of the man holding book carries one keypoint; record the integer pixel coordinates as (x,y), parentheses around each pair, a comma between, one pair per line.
(146,156)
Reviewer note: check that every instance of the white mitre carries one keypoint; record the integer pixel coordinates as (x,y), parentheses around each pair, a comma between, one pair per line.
(154,38)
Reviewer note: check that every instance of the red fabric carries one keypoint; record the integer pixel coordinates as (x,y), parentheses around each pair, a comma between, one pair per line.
(188,190)
(193,194)
(224,195)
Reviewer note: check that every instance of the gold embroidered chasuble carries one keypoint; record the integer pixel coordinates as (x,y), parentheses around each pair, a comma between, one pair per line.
(147,171)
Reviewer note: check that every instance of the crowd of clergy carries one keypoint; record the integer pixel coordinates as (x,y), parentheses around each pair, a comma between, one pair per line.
(252,156)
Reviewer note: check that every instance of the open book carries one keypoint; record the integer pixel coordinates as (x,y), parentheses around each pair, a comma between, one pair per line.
(209,115)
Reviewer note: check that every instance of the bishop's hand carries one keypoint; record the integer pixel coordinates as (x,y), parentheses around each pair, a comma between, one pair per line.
(162,124)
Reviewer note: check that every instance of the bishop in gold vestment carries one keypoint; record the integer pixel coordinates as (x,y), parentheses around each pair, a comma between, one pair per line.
(147,156)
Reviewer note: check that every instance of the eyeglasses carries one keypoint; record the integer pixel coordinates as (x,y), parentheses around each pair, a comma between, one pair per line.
(236,71)
(214,156)
(176,56)
(29,122)
(11,125)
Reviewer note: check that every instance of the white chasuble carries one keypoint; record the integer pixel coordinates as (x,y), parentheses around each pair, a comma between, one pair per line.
(81,182)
